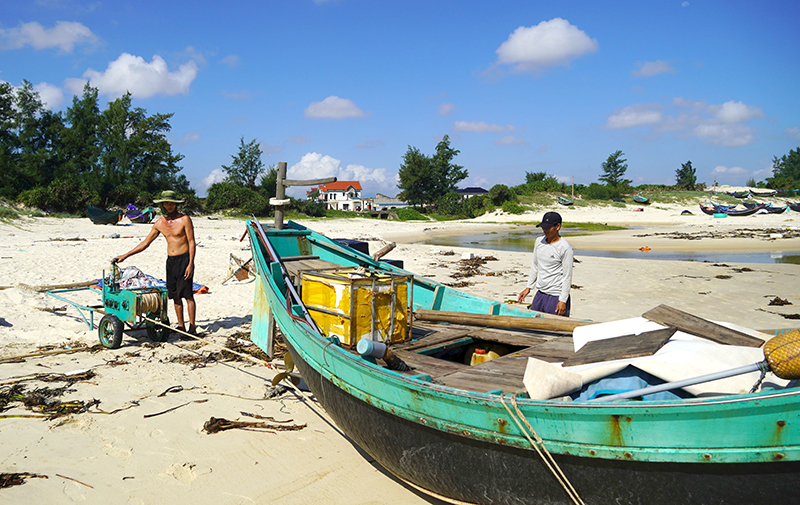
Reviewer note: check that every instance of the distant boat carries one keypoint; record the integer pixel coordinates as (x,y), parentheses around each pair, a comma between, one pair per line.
(100,216)
(738,194)
(640,199)
(564,201)
(140,216)
(795,206)
(763,192)
(713,209)
(771,209)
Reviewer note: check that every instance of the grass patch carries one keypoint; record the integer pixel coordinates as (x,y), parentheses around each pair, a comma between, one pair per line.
(7,214)
(592,226)
(411,214)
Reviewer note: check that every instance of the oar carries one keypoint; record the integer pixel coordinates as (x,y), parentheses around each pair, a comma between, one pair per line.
(781,356)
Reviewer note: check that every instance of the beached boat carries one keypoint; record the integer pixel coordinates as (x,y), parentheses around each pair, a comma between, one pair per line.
(795,206)
(763,192)
(738,194)
(140,216)
(564,201)
(100,216)
(640,199)
(459,431)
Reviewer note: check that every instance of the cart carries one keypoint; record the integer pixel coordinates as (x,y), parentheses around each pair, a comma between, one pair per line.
(136,308)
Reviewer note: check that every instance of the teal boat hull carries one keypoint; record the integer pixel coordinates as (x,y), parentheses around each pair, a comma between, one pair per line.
(465,445)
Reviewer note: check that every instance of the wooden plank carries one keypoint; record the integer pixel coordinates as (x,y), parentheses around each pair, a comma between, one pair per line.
(526,323)
(515,339)
(554,351)
(626,346)
(700,327)
(423,364)
(435,340)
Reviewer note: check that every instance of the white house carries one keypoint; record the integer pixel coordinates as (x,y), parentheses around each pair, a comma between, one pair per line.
(341,195)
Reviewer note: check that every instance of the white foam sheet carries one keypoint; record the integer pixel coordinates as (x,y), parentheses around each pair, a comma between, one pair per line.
(683,357)
(544,380)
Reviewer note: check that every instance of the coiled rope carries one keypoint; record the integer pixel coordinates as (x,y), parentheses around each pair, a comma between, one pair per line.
(547,458)
(148,302)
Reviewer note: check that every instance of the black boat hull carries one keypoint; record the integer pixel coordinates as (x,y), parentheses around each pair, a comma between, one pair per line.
(476,471)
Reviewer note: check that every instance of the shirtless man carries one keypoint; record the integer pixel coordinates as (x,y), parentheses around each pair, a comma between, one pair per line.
(177,228)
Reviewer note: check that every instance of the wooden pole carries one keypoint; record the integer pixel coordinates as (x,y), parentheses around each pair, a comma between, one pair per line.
(511,322)
(573,187)
(280,194)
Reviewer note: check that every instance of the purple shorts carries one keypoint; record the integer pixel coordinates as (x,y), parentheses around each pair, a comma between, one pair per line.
(547,303)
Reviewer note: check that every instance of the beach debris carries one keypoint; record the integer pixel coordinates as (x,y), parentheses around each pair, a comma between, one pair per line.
(215,425)
(74,480)
(172,389)
(722,276)
(754,233)
(175,408)
(275,391)
(44,401)
(645,248)
(779,301)
(17,479)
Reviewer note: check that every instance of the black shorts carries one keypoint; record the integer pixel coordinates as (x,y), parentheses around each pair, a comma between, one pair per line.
(177,286)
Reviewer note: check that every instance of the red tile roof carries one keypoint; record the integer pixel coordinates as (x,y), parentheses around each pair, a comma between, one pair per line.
(340,186)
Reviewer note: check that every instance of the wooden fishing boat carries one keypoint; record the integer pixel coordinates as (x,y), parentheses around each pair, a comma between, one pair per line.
(795,206)
(738,194)
(564,201)
(640,199)
(763,192)
(100,216)
(459,432)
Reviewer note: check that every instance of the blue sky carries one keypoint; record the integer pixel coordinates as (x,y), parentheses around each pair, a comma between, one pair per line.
(343,87)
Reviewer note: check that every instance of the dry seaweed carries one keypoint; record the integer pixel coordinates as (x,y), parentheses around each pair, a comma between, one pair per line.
(17,479)
(779,301)
(44,400)
(215,425)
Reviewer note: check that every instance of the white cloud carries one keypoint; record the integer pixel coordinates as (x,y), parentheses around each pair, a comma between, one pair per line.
(480,127)
(231,60)
(651,68)
(632,116)
(334,107)
(685,4)
(732,171)
(369,144)
(793,133)
(679,101)
(446,109)
(548,44)
(734,112)
(142,79)
(318,166)
(216,175)
(728,135)
(510,140)
(52,97)
(298,140)
(270,148)
(65,35)
(190,136)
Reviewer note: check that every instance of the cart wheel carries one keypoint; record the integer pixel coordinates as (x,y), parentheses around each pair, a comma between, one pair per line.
(110,331)
(158,333)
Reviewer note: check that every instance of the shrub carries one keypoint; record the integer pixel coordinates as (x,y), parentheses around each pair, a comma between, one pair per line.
(501,193)
(410,214)
(230,196)
(7,213)
(64,195)
(512,207)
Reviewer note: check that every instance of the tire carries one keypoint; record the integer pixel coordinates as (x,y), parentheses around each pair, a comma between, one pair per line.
(110,331)
(158,333)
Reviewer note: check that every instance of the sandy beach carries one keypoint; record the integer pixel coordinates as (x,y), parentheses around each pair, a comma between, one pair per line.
(129,447)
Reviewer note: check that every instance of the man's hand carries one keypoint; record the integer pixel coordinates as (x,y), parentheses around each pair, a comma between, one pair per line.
(189,270)
(118,259)
(561,308)
(521,298)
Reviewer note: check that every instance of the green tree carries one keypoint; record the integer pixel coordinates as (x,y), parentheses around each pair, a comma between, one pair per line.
(785,171)
(246,166)
(614,169)
(532,177)
(424,180)
(268,182)
(686,176)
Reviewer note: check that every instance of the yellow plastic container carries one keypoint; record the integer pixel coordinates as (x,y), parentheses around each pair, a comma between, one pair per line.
(480,355)
(354,305)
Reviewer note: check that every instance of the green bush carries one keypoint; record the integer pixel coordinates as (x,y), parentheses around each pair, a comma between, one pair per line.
(512,207)
(230,196)
(62,195)
(410,214)
(501,193)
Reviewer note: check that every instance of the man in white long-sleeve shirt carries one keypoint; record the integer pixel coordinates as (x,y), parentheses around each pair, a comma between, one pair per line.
(551,269)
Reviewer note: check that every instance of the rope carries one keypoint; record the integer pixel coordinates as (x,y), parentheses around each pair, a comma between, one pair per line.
(149,302)
(547,458)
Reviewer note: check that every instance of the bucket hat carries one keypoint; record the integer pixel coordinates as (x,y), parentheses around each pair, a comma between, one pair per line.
(167,196)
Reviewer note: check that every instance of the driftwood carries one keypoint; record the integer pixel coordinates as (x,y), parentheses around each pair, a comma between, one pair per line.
(42,289)
(513,322)
(668,316)
(383,251)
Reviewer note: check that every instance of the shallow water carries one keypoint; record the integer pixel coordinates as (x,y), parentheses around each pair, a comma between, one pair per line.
(523,241)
